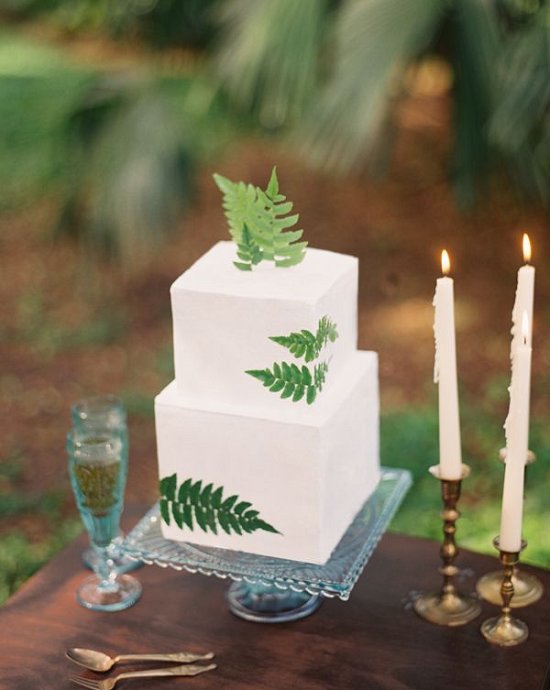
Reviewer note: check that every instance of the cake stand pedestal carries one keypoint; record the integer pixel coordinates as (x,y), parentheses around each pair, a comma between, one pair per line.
(274,590)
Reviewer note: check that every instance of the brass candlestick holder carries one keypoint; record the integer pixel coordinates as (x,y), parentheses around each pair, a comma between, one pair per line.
(447,606)
(527,588)
(505,630)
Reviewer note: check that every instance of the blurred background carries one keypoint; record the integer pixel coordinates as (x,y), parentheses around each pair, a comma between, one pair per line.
(399,127)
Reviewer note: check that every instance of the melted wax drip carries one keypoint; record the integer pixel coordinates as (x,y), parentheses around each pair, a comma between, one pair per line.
(516,335)
(437,329)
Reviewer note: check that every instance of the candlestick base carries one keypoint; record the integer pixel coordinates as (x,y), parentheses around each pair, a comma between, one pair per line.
(505,630)
(527,588)
(450,609)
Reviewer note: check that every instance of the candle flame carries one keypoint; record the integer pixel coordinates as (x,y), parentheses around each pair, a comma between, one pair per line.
(525,327)
(445,262)
(526,248)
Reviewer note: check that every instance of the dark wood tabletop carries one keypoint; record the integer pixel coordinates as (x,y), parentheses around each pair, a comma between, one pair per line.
(373,641)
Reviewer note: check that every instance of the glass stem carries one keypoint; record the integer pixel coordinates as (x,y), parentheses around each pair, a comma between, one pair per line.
(105,569)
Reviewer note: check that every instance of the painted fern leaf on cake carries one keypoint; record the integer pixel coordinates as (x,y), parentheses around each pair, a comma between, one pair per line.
(306,344)
(193,506)
(292,381)
(267,216)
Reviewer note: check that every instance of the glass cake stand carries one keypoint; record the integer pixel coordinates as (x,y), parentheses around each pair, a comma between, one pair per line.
(273,590)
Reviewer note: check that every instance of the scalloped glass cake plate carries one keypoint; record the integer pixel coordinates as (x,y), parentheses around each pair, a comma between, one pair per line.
(274,590)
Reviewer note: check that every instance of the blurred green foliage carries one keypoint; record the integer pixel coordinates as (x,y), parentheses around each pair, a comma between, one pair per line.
(334,71)
(119,149)
(38,90)
(162,23)
(46,337)
(20,557)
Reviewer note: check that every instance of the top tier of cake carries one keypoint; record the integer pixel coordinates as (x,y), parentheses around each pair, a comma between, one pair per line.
(224,320)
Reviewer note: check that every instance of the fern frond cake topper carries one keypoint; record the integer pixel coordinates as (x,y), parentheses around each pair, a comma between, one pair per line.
(259,223)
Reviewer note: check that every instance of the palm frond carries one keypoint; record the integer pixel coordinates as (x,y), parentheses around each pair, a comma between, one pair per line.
(131,172)
(269,58)
(474,57)
(520,126)
(374,43)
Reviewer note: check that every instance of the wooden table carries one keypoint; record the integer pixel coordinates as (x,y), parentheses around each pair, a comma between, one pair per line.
(373,641)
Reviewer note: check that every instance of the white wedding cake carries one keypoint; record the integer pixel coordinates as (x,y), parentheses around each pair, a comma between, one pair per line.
(268,436)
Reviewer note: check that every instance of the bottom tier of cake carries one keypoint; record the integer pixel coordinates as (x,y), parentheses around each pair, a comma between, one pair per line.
(285,485)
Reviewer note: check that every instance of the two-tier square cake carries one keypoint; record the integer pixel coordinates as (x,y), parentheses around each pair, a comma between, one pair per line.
(268,436)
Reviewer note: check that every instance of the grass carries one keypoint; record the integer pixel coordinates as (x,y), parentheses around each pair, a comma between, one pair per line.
(409,439)
(21,556)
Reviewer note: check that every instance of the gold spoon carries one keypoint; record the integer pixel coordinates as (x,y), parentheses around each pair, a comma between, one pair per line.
(100,662)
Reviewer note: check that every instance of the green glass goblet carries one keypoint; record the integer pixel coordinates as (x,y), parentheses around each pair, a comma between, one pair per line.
(98,465)
(105,411)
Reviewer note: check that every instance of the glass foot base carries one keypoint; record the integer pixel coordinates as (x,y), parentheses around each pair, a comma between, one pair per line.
(122,564)
(447,609)
(126,591)
(267,604)
(527,588)
(505,631)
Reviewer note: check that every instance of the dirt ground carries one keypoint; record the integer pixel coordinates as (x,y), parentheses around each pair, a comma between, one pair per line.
(397,226)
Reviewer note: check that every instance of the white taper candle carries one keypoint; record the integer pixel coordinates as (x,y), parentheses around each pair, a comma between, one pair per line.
(517,443)
(450,453)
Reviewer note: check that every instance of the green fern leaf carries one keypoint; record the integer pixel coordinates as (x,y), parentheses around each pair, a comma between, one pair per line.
(206,508)
(165,510)
(326,331)
(210,517)
(216,499)
(298,393)
(206,495)
(319,375)
(200,517)
(195,491)
(261,524)
(277,386)
(288,390)
(168,487)
(183,492)
(248,251)
(259,223)
(306,344)
(242,506)
(239,202)
(224,521)
(287,372)
(178,514)
(188,515)
(234,522)
(294,382)
(229,503)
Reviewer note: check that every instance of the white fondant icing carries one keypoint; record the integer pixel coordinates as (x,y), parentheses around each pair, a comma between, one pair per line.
(307,470)
(223,319)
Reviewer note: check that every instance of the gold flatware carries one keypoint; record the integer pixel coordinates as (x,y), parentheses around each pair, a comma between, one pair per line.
(109,683)
(100,662)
